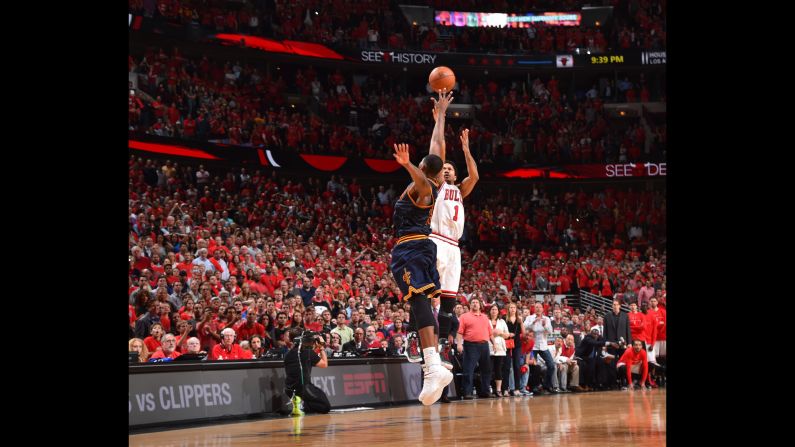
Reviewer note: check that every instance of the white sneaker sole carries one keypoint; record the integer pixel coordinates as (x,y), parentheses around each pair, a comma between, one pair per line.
(430,396)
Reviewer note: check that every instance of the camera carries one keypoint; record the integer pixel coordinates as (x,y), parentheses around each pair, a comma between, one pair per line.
(309,338)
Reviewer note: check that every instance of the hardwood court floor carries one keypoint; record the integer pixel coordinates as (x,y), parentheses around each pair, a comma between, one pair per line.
(608,418)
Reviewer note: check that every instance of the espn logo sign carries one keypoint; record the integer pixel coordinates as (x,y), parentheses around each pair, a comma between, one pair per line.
(364,383)
(564,61)
(652,57)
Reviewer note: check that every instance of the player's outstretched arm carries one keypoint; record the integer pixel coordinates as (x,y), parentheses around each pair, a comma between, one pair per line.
(468,184)
(421,185)
(439,110)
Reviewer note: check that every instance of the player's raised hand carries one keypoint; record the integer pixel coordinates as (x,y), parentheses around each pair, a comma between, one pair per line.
(465,140)
(402,154)
(440,105)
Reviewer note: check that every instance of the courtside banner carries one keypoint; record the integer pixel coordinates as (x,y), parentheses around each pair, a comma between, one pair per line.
(181,396)
(171,393)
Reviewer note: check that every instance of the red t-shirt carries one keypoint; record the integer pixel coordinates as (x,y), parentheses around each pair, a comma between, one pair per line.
(205,338)
(142,263)
(650,331)
(315,327)
(637,326)
(151,343)
(160,354)
(257,287)
(527,346)
(565,284)
(660,321)
(606,291)
(234,353)
(630,358)
(244,332)
(474,328)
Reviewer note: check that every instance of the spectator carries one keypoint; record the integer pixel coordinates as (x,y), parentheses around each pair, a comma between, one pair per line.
(202,260)
(498,349)
(556,350)
(228,349)
(600,324)
(589,351)
(342,329)
(516,333)
(194,347)
(637,323)
(138,345)
(633,363)
(541,326)
(248,327)
(659,316)
(168,348)
(397,329)
(152,342)
(645,293)
(202,176)
(298,319)
(474,334)
(569,369)
(208,330)
(335,343)
(143,326)
(278,332)
(183,329)
(576,329)
(398,348)
(617,329)
(370,338)
(176,296)
(358,343)
(307,290)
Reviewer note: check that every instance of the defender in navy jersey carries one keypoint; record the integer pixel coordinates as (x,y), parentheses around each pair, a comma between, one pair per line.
(414,263)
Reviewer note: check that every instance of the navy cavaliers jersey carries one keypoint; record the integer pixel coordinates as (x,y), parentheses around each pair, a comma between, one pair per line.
(410,218)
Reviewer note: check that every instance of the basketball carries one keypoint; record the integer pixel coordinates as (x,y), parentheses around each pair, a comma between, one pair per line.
(441,78)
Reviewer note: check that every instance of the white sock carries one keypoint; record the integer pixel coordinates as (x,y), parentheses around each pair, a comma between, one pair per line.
(431,356)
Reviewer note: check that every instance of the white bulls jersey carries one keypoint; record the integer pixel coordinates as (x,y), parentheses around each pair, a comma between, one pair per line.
(447,226)
(448,213)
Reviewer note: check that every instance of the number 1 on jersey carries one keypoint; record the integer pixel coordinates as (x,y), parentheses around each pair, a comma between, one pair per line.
(455,217)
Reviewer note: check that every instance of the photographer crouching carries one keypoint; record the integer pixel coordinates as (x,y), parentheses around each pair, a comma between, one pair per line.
(307,351)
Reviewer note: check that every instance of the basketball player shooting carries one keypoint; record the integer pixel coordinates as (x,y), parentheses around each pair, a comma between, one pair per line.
(447,227)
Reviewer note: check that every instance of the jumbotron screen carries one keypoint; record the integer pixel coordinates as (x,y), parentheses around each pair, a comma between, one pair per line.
(502,20)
